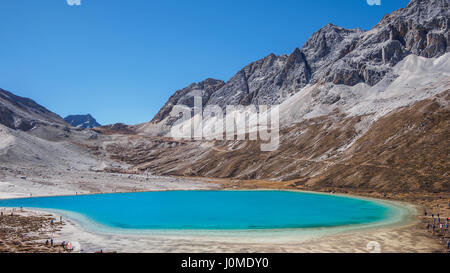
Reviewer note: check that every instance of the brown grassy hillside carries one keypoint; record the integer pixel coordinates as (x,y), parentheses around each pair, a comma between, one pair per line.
(404,151)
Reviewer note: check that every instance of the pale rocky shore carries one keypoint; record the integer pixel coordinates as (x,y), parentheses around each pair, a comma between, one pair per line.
(23,231)
(40,182)
(403,239)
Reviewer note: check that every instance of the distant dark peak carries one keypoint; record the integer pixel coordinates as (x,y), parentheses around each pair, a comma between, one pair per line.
(82,121)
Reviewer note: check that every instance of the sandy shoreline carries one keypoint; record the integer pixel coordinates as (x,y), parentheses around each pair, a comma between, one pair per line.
(401,235)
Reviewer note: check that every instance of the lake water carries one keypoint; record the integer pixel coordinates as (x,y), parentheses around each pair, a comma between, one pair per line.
(213,210)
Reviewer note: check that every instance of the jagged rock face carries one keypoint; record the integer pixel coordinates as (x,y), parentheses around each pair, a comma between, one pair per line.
(270,80)
(265,81)
(82,121)
(422,28)
(186,96)
(326,47)
(332,55)
(23,113)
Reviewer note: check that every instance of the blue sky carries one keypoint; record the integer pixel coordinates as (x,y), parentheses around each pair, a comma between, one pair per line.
(120,60)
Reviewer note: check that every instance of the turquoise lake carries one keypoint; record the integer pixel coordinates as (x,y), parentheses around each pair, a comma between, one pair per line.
(213,210)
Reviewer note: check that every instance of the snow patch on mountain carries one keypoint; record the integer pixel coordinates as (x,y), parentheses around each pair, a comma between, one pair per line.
(413,79)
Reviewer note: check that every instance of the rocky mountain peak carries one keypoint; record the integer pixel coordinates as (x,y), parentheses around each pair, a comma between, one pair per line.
(422,28)
(82,121)
(186,95)
(425,9)
(334,55)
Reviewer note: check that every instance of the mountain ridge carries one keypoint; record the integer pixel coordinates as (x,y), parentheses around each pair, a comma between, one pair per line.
(24,114)
(389,136)
(332,54)
(82,121)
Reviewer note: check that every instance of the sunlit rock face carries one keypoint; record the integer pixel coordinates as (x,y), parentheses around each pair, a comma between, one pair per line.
(332,55)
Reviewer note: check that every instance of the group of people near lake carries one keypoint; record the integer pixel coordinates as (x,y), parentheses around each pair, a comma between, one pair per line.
(49,242)
(438,225)
(65,245)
